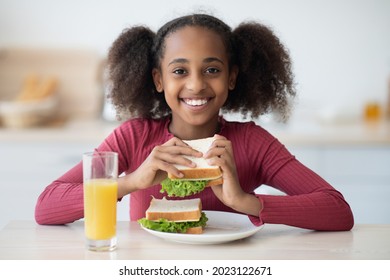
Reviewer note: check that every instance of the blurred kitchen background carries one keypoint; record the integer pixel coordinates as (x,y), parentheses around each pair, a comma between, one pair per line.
(52,89)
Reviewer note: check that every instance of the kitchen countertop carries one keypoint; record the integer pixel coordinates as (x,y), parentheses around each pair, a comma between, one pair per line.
(315,133)
(292,133)
(80,131)
(27,240)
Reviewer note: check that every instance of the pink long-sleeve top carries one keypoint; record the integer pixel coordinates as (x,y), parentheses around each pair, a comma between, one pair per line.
(310,202)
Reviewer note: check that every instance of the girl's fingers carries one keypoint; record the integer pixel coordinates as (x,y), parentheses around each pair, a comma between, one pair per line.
(220,147)
(169,168)
(174,141)
(177,155)
(177,146)
(221,154)
(174,152)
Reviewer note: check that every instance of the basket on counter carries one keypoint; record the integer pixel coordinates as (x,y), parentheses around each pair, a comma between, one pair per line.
(36,104)
(14,114)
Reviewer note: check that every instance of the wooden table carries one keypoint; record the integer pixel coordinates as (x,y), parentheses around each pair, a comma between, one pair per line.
(25,240)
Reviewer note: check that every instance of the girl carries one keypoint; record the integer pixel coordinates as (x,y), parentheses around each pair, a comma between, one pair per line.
(175,84)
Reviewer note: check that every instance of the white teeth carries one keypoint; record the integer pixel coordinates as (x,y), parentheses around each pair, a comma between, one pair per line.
(195,102)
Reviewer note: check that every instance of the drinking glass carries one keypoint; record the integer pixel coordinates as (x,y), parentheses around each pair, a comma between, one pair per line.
(100,174)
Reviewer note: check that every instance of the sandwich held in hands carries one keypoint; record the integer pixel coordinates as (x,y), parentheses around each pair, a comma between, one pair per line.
(175,216)
(194,180)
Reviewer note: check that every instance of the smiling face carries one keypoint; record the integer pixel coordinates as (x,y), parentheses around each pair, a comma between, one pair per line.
(195,77)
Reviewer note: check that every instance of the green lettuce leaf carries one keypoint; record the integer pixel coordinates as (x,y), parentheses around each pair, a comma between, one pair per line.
(182,188)
(168,226)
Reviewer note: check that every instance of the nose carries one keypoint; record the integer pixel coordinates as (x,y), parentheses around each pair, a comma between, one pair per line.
(195,83)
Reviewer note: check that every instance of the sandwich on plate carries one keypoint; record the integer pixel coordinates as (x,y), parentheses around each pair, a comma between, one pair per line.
(194,179)
(175,216)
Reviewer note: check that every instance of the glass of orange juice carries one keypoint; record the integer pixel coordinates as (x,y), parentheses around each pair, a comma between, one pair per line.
(100,173)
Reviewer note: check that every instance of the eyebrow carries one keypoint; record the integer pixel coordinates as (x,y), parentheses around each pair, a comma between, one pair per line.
(206,60)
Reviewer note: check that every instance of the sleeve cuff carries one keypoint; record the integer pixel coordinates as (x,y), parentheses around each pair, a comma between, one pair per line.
(257,221)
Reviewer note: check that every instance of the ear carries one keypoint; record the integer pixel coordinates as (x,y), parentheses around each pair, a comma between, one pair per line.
(157,79)
(233,77)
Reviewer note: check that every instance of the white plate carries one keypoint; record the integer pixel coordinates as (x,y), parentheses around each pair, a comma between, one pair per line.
(221,227)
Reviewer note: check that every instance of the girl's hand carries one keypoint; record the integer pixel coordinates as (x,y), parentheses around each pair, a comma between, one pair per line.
(156,166)
(230,193)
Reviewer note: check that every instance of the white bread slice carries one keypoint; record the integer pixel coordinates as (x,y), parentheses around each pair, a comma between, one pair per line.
(203,170)
(194,230)
(174,210)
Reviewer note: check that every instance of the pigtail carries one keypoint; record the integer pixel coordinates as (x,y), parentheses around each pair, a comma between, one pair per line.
(130,64)
(265,79)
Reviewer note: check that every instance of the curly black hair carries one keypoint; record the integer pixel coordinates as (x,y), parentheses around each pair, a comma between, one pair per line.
(265,82)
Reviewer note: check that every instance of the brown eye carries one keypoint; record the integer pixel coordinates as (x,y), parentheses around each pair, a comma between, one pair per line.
(179,71)
(212,70)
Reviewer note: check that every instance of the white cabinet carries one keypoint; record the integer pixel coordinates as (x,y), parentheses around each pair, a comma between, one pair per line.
(27,168)
(361,173)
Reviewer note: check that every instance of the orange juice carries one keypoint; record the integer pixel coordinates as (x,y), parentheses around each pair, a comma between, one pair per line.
(100,198)
(372,111)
